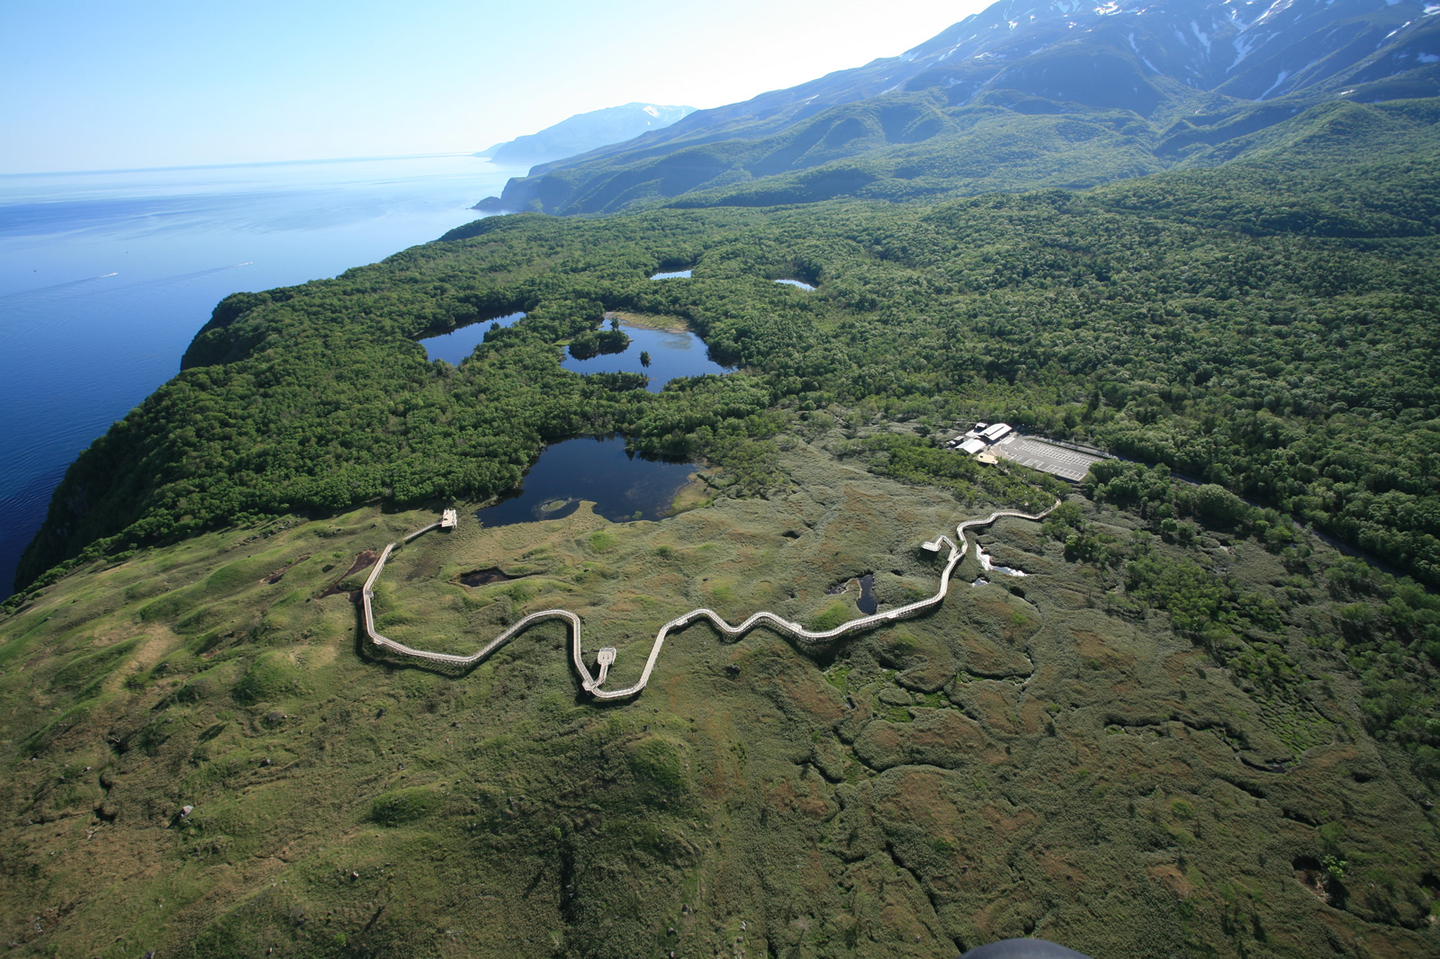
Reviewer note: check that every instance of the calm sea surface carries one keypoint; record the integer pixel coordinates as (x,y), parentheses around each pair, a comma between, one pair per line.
(105,278)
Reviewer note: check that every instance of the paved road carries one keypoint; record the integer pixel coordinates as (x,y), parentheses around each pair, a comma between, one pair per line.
(1046,457)
(592,683)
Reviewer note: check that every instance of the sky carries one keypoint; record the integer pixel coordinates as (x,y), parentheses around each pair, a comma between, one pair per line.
(152,83)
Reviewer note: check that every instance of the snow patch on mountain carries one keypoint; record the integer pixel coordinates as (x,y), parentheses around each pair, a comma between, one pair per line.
(1136,48)
(1201,35)
(1278,80)
(1275,9)
(1243,45)
(1280,47)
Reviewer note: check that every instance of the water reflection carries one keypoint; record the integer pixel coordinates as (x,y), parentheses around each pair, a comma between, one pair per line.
(623,487)
(670,353)
(866,602)
(457,345)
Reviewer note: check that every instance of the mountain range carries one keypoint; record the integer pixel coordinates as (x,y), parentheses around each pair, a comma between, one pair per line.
(1021,95)
(584,132)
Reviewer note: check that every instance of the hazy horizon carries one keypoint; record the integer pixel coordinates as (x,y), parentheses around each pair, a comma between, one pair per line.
(170,85)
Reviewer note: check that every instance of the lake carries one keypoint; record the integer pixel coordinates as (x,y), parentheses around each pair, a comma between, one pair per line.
(622,486)
(105,278)
(456,346)
(672,354)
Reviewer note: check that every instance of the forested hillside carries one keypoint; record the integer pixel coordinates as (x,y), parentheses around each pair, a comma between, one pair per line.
(1167,720)
(1270,328)
(1026,94)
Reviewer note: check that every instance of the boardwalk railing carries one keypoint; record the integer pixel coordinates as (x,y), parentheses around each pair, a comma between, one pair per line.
(959,548)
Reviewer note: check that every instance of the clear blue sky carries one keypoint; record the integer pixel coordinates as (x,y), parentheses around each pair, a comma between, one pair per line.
(135,83)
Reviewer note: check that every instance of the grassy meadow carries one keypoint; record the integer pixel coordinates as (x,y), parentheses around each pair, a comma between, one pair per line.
(1043,755)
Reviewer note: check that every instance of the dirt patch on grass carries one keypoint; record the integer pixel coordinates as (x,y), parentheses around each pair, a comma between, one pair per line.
(1061,869)
(940,737)
(994,603)
(807,801)
(1309,874)
(1181,664)
(1033,716)
(985,658)
(1092,647)
(811,694)
(1173,879)
(276,576)
(1006,823)
(995,703)
(312,657)
(157,642)
(926,798)
(365,560)
(696,493)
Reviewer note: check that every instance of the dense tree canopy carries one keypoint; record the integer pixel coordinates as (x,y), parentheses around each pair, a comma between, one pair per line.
(1274,336)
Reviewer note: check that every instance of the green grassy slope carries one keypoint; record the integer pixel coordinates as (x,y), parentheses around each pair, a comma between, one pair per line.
(1191,730)
(1058,755)
(905,147)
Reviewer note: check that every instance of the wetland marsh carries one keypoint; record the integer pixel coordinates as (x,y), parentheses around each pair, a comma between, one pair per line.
(1011,763)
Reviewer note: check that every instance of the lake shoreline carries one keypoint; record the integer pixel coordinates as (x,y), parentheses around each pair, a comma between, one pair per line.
(650,321)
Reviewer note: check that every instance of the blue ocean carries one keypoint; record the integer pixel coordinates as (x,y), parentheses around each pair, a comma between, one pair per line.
(106,277)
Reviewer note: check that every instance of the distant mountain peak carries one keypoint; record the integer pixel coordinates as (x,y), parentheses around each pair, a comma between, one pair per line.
(1124,73)
(585,132)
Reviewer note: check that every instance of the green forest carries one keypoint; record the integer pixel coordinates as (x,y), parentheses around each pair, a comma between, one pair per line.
(1168,719)
(1266,329)
(918,146)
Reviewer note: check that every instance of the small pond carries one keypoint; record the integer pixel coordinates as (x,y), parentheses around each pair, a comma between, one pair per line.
(484,577)
(622,487)
(800,284)
(457,345)
(866,601)
(671,354)
(673,275)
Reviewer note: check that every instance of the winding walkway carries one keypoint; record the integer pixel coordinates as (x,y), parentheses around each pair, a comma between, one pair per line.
(606,657)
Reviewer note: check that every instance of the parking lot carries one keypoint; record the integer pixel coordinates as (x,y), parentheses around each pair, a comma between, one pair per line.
(1037,454)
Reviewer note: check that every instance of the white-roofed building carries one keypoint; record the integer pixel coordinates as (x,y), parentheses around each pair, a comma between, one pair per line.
(972,446)
(995,432)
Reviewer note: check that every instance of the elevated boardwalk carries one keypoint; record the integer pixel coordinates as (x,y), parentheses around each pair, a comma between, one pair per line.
(592,683)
